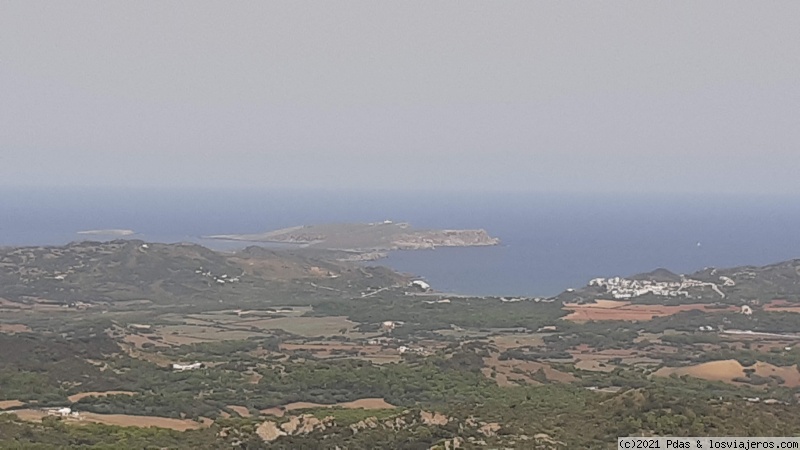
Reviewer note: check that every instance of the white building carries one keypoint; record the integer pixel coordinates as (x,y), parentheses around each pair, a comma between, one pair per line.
(182,367)
(63,412)
(421,284)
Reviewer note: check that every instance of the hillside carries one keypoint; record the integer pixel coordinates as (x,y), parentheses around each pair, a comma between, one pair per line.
(738,285)
(268,348)
(169,274)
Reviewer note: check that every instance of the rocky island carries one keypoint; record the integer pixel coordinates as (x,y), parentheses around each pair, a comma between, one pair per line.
(369,237)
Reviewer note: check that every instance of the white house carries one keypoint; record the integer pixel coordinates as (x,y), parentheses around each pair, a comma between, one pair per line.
(421,284)
(63,412)
(182,367)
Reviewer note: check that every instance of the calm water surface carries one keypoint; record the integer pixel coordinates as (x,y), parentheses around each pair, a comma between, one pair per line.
(549,242)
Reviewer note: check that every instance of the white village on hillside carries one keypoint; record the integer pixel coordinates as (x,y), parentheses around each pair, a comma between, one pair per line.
(624,289)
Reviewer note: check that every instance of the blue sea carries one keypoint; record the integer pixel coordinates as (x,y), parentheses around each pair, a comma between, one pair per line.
(550,242)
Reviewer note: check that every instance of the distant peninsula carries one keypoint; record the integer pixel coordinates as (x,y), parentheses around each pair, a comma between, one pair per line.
(368,237)
(107,232)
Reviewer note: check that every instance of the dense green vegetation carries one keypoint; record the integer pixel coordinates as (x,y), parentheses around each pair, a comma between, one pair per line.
(420,316)
(53,433)
(431,381)
(174,275)
(570,415)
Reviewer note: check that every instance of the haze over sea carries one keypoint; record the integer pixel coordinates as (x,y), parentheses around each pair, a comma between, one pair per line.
(550,242)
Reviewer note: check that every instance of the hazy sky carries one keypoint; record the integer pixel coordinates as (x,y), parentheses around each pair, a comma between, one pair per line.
(667,96)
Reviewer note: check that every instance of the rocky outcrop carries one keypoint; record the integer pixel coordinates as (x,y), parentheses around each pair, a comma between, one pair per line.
(369,422)
(489,429)
(269,431)
(450,444)
(304,424)
(433,418)
(471,430)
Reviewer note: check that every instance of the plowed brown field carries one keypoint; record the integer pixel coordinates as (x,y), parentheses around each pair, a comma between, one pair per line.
(624,310)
